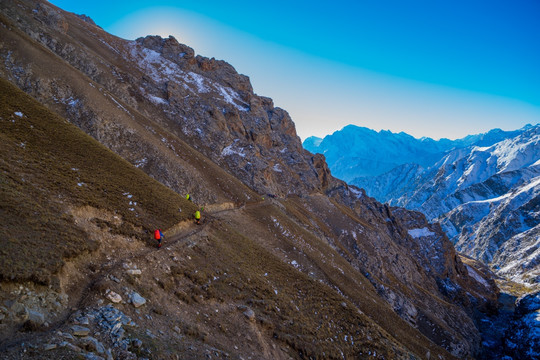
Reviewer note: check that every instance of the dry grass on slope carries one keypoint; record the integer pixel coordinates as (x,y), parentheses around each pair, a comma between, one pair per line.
(48,165)
(227,270)
(89,95)
(277,231)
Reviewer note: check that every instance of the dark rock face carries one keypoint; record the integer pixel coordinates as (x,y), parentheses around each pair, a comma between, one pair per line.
(523,337)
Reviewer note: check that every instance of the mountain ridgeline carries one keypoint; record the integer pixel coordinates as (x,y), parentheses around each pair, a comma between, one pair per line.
(289,262)
(483,189)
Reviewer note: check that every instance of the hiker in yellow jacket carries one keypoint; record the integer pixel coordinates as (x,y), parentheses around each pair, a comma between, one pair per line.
(197,217)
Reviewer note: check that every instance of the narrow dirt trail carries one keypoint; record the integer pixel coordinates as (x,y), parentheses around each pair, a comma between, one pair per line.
(146,257)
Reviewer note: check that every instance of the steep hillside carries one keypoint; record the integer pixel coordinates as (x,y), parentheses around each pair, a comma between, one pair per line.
(51,169)
(317,270)
(207,283)
(114,86)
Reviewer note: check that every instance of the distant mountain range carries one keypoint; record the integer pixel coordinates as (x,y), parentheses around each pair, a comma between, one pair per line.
(484,189)
(354,151)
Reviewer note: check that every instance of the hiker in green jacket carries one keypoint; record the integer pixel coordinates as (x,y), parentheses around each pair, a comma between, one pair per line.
(197,217)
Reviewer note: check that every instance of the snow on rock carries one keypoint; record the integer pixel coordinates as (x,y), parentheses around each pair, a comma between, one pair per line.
(417,233)
(162,70)
(230,96)
(476,276)
(356,192)
(485,192)
(156,100)
(231,150)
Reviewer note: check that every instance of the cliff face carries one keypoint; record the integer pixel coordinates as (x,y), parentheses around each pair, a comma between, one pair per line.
(204,102)
(195,125)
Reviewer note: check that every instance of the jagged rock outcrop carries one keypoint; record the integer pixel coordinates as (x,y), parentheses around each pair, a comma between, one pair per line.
(202,101)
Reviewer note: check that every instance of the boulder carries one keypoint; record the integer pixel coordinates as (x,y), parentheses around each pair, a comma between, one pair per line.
(35,318)
(137,300)
(249,314)
(114,297)
(78,330)
(93,344)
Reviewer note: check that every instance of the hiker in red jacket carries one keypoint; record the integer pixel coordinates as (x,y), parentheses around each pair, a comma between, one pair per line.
(158,235)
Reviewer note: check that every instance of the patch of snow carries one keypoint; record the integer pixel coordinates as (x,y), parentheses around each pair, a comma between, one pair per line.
(417,233)
(141,162)
(80,184)
(19,114)
(153,64)
(230,96)
(276,168)
(72,102)
(156,100)
(476,276)
(229,150)
(356,192)
(198,80)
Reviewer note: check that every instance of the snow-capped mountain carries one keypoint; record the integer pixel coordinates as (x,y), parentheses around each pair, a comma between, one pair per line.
(354,152)
(485,196)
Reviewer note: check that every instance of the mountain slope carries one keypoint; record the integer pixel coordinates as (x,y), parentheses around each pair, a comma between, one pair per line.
(246,270)
(42,151)
(366,279)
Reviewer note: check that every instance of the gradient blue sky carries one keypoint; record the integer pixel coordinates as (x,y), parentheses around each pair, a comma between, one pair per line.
(429,68)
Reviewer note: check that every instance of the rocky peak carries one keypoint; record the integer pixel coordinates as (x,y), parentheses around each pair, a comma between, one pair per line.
(184,56)
(169,48)
(86,18)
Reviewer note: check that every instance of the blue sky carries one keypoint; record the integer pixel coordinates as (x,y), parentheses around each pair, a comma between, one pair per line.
(429,68)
